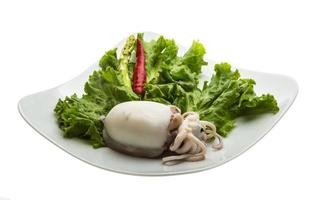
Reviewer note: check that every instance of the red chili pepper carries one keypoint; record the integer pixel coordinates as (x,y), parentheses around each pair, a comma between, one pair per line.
(139,73)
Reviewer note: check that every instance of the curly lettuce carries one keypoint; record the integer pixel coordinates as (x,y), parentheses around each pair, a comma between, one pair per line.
(171,79)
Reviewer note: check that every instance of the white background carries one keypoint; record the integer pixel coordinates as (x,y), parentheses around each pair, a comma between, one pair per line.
(45,43)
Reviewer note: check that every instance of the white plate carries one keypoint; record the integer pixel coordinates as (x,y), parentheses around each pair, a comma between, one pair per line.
(37,110)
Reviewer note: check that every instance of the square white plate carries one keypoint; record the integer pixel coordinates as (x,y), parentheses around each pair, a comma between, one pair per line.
(37,110)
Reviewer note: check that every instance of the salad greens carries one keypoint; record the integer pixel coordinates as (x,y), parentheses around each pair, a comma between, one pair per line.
(171,79)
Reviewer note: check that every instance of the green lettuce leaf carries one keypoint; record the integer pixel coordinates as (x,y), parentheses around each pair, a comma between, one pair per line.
(181,75)
(79,117)
(219,82)
(164,66)
(171,80)
(250,103)
(153,50)
(172,94)
(194,57)
(227,97)
(108,86)
(109,59)
(159,54)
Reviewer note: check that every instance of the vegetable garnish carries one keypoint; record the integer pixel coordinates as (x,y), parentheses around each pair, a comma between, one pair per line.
(170,79)
(124,60)
(139,74)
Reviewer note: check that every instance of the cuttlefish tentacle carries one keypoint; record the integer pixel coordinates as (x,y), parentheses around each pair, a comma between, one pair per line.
(190,140)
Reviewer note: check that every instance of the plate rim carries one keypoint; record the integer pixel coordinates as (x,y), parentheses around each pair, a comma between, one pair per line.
(164,173)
